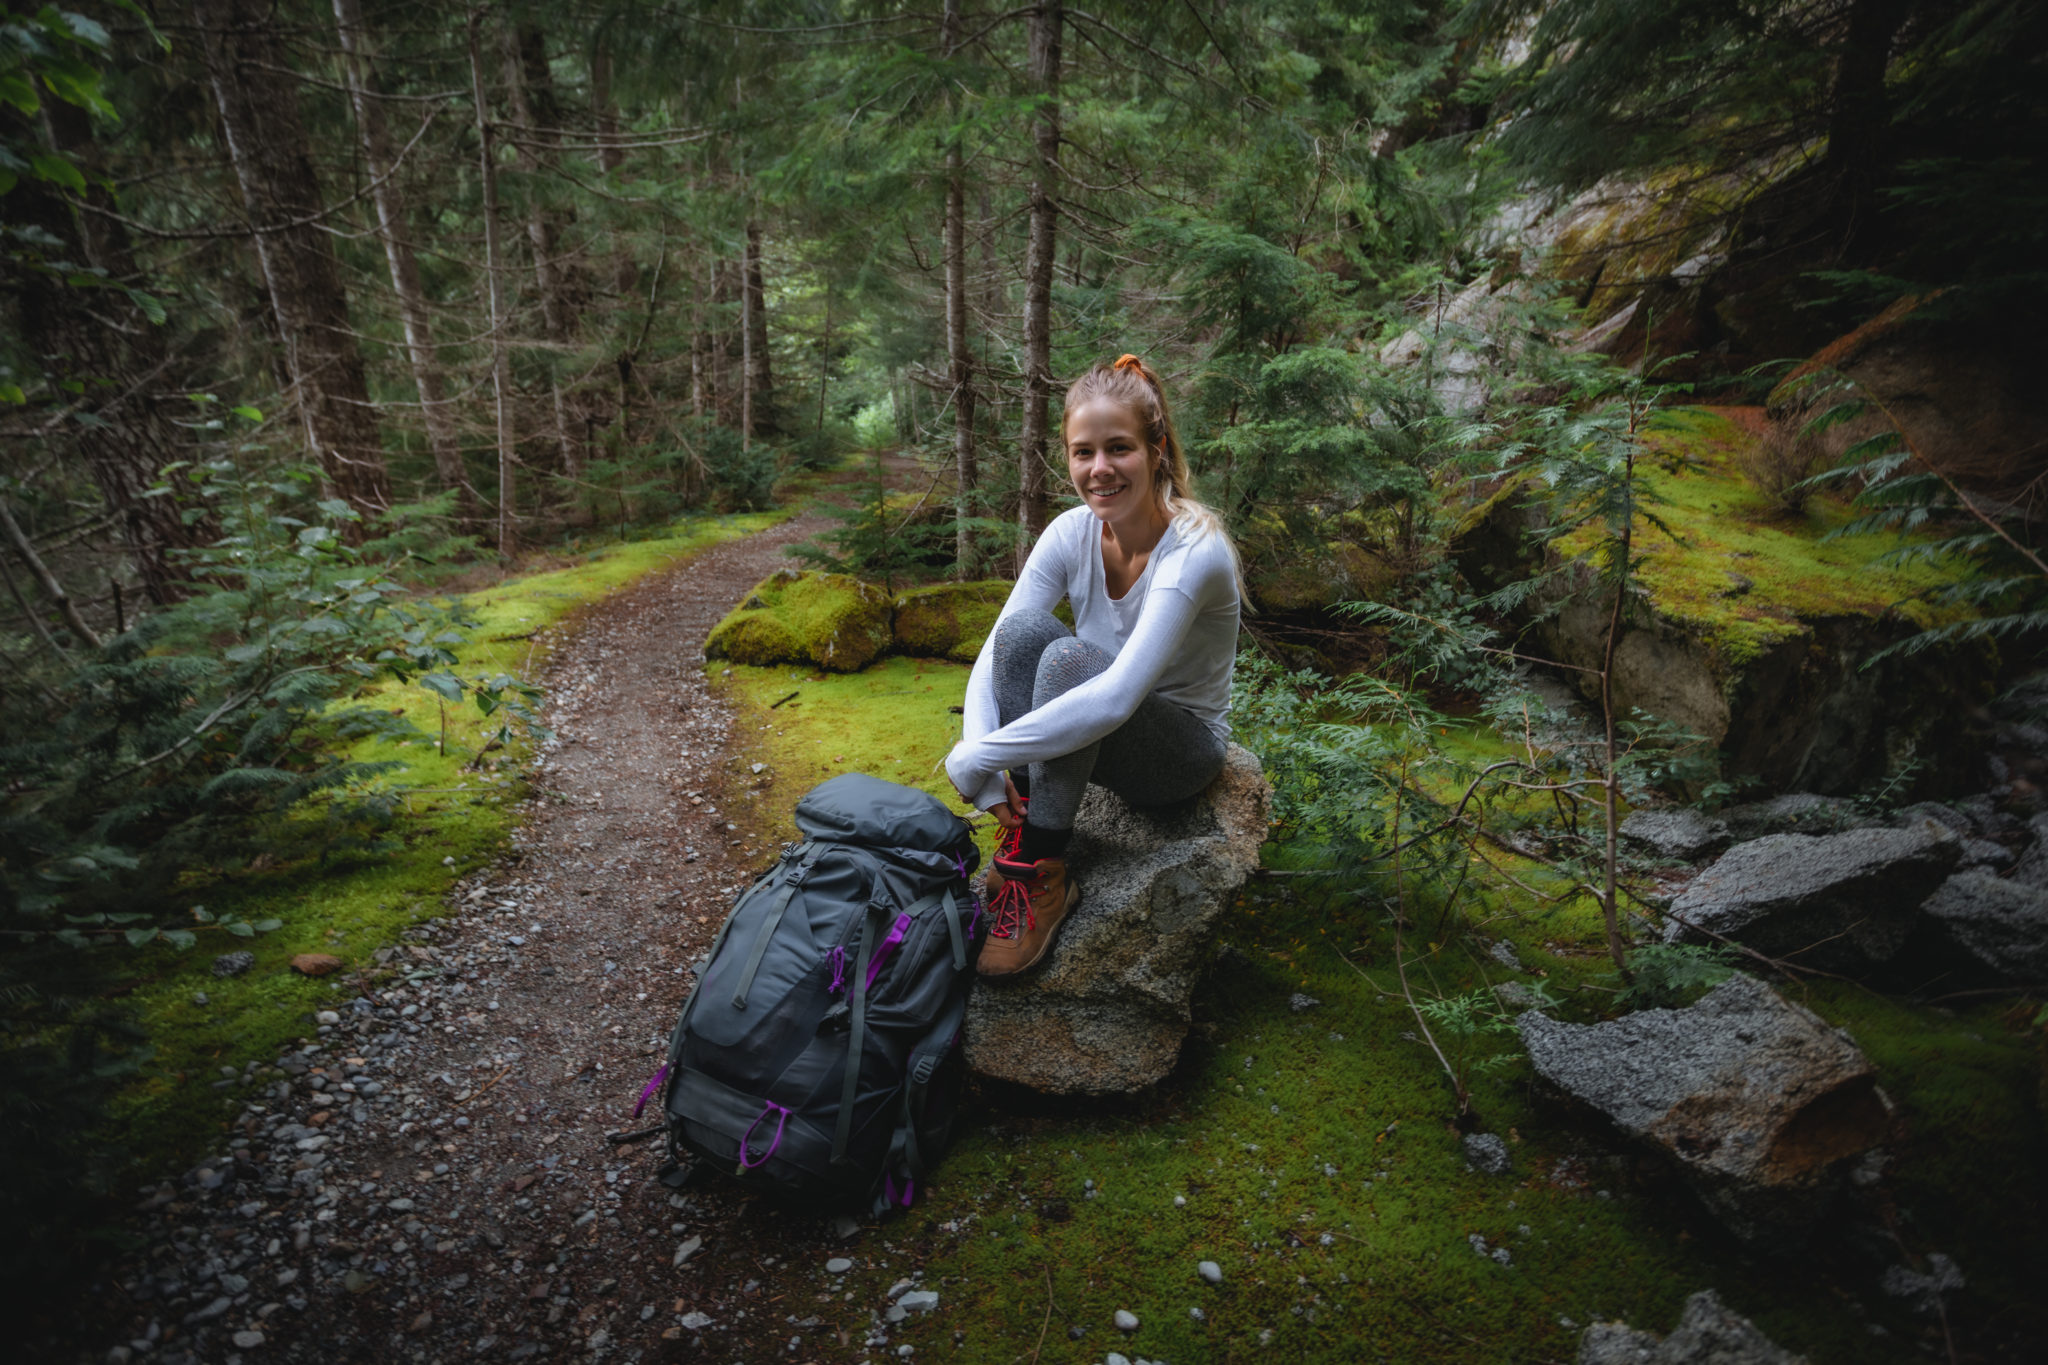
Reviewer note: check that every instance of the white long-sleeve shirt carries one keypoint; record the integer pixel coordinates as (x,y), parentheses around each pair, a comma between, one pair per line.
(1174,635)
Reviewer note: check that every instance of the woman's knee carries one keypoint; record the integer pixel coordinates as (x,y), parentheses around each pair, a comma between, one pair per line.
(1066,664)
(1028,632)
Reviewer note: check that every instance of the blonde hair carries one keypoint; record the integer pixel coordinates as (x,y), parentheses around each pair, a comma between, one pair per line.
(1132,384)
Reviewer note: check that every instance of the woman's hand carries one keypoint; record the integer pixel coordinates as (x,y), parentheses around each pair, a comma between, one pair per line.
(1009,813)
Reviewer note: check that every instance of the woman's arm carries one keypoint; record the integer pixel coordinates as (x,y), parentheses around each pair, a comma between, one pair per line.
(1041,586)
(1078,718)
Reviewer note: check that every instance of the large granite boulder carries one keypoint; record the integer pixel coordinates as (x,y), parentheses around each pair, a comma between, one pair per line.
(2002,924)
(1708,1333)
(1762,1107)
(1108,1007)
(1847,900)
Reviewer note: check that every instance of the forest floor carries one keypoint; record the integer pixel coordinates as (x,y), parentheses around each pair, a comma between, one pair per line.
(429,1176)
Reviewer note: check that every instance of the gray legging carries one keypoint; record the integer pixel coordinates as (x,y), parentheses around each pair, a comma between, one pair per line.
(1161,754)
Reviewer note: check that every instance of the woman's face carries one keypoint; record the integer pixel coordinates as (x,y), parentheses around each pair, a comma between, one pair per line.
(1110,464)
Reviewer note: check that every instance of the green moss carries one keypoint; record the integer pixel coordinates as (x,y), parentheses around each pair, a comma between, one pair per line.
(1740,574)
(834,621)
(457,821)
(949,620)
(1280,1130)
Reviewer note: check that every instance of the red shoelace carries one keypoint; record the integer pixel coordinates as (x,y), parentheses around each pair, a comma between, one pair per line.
(1012,839)
(1012,899)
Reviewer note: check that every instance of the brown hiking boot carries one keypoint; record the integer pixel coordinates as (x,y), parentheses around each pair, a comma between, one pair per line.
(1025,914)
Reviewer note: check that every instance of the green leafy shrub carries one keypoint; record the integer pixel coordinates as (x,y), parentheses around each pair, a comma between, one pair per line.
(1669,975)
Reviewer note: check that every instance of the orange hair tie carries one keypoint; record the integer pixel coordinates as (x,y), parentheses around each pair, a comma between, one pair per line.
(1128,361)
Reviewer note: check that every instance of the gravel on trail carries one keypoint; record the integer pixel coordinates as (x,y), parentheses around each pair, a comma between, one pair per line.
(426,1177)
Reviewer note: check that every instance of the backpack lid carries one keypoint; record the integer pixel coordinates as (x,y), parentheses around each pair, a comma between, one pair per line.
(854,808)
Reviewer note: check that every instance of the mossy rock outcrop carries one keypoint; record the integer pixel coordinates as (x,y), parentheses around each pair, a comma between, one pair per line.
(1753,626)
(948,620)
(829,620)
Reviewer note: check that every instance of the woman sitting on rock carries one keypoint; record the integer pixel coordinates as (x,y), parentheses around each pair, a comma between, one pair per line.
(1135,696)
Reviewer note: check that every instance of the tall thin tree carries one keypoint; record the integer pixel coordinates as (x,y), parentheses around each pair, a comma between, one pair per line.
(960,361)
(322,368)
(437,414)
(494,268)
(530,93)
(1047,20)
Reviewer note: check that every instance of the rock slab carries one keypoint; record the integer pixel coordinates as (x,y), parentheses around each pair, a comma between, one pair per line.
(1107,1009)
(2002,924)
(1708,1333)
(1762,1106)
(1680,835)
(1847,900)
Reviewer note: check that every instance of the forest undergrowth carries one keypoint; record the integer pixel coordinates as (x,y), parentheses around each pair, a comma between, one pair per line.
(1314,1150)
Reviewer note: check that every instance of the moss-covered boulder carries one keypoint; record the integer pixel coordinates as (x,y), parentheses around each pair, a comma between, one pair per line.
(948,620)
(833,621)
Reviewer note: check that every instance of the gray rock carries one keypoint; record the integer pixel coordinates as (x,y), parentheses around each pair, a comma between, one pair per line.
(695,1322)
(1513,995)
(919,1300)
(1126,1321)
(233,964)
(1984,853)
(1487,1153)
(1847,900)
(1299,1002)
(248,1341)
(1924,1291)
(1763,1108)
(2032,868)
(1708,1333)
(1674,835)
(838,1265)
(2003,924)
(1795,813)
(1949,816)
(1107,1009)
(1504,953)
(1210,1271)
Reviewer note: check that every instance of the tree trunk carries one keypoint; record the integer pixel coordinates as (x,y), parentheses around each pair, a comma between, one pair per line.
(960,360)
(1046,21)
(760,378)
(487,166)
(747,306)
(1859,124)
(131,403)
(435,410)
(610,156)
(273,163)
(530,94)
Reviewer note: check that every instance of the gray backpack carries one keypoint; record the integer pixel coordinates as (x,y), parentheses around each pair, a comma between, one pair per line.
(817,1056)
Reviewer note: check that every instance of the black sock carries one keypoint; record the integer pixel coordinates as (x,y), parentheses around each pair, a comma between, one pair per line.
(1042,843)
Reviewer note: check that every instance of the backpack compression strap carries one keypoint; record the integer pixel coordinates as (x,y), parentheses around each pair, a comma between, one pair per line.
(793,878)
(856,1036)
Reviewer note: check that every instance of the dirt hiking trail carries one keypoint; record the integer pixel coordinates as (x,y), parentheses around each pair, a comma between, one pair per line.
(430,1179)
